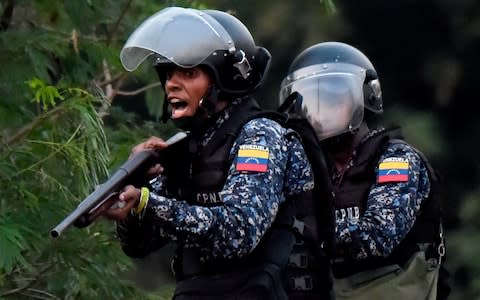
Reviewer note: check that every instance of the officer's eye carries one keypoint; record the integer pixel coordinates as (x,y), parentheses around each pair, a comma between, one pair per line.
(189,73)
(168,74)
(182,73)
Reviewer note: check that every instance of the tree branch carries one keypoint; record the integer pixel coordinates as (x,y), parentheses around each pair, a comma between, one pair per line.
(39,294)
(26,286)
(7,15)
(25,130)
(112,80)
(110,90)
(141,90)
(117,23)
(90,38)
(108,87)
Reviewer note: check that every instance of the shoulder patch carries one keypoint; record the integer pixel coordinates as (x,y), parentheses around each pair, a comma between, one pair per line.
(393,169)
(252,158)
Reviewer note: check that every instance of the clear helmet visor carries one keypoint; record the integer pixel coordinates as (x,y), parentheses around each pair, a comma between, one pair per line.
(184,36)
(330,97)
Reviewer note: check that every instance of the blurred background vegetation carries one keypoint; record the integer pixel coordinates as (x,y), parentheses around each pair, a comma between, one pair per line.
(69,115)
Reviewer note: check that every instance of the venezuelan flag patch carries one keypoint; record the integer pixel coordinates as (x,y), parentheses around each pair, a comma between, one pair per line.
(393,169)
(252,158)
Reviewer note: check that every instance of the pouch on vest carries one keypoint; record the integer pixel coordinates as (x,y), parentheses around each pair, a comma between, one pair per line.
(416,280)
(261,283)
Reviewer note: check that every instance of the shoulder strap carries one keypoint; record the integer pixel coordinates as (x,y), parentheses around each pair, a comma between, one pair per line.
(241,115)
(323,195)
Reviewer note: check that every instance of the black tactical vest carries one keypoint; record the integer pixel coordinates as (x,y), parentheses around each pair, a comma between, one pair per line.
(351,195)
(202,177)
(284,245)
(210,163)
(197,173)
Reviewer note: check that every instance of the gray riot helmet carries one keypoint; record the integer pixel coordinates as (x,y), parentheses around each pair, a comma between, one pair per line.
(187,38)
(331,84)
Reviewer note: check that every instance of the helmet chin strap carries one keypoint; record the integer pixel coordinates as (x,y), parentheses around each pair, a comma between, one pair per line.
(209,101)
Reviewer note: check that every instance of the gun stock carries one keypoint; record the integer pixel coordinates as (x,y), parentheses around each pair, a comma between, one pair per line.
(104,196)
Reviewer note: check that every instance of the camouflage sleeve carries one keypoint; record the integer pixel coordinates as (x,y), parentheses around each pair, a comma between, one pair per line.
(251,195)
(393,202)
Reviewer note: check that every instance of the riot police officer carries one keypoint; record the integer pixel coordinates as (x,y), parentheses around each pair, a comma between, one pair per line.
(388,232)
(219,192)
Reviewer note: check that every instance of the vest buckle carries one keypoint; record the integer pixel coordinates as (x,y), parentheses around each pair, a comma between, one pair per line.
(302,283)
(299,260)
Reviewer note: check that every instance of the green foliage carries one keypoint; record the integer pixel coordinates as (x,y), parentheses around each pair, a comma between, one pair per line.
(155,107)
(46,172)
(12,243)
(59,61)
(44,94)
(421,129)
(468,233)
(127,129)
(329,6)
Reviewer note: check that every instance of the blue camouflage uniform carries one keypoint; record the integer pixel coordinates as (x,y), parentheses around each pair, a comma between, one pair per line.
(251,198)
(391,207)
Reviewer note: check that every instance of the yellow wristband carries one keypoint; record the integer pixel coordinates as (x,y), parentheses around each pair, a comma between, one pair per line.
(144,195)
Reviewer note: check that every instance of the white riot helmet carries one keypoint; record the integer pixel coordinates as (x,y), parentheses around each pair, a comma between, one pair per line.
(186,37)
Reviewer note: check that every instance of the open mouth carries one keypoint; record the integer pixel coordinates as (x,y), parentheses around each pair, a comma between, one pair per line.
(178,107)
